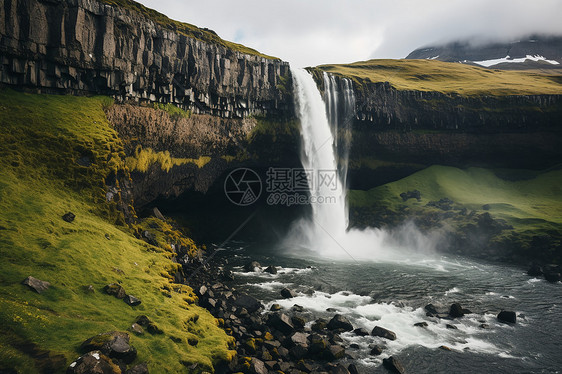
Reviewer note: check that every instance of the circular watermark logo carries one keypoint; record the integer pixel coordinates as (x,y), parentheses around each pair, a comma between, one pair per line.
(243,186)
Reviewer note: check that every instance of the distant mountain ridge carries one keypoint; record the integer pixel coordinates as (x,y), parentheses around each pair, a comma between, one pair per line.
(533,52)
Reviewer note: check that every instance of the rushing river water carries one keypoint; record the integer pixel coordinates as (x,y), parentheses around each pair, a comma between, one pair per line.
(393,295)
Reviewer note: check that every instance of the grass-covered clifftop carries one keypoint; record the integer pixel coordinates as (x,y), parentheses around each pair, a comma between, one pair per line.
(55,155)
(446,77)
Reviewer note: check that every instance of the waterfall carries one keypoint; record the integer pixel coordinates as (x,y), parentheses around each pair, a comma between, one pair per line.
(328,197)
(325,136)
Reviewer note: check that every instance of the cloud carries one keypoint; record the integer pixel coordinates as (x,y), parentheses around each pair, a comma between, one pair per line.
(316,32)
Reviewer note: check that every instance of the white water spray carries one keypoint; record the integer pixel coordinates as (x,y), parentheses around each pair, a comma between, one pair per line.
(326,232)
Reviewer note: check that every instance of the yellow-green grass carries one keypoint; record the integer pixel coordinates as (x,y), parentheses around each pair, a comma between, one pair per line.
(186,29)
(144,158)
(41,138)
(529,205)
(447,77)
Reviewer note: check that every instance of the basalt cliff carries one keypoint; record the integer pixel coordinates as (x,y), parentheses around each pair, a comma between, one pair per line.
(236,106)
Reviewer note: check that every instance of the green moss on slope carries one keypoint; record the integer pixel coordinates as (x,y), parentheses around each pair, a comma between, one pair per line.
(41,139)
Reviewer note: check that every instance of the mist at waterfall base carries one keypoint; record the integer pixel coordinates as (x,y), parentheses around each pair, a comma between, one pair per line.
(325,136)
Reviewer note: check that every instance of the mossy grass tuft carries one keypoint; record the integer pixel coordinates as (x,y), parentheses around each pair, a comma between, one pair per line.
(55,153)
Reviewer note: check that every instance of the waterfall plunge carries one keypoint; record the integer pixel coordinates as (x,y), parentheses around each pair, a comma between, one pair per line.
(326,233)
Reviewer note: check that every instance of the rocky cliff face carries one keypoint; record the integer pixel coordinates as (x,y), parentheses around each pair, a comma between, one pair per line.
(85,46)
(397,132)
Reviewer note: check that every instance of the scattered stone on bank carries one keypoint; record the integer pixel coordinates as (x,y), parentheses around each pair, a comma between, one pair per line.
(298,322)
(352,369)
(138,369)
(149,325)
(281,322)
(415,194)
(93,362)
(270,270)
(383,333)
(288,293)
(250,303)
(252,266)
(507,316)
(319,325)
(136,328)
(131,300)
(35,284)
(339,322)
(116,290)
(69,217)
(114,344)
(393,365)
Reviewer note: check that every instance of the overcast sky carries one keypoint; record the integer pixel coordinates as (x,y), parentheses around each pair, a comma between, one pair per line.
(314,32)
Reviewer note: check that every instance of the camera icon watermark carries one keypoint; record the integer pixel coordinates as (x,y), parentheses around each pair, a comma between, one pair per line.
(243,187)
(284,186)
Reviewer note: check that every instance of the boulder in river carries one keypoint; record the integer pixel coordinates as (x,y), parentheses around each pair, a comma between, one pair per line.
(507,316)
(339,322)
(431,310)
(288,293)
(552,273)
(270,270)
(393,365)
(421,324)
(361,332)
(252,266)
(35,284)
(376,350)
(457,311)
(535,270)
(383,333)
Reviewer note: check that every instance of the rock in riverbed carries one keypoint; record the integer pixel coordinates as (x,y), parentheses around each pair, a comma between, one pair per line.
(507,316)
(383,333)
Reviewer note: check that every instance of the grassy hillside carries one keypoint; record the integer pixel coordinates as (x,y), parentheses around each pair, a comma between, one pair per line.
(41,139)
(186,29)
(529,201)
(446,77)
